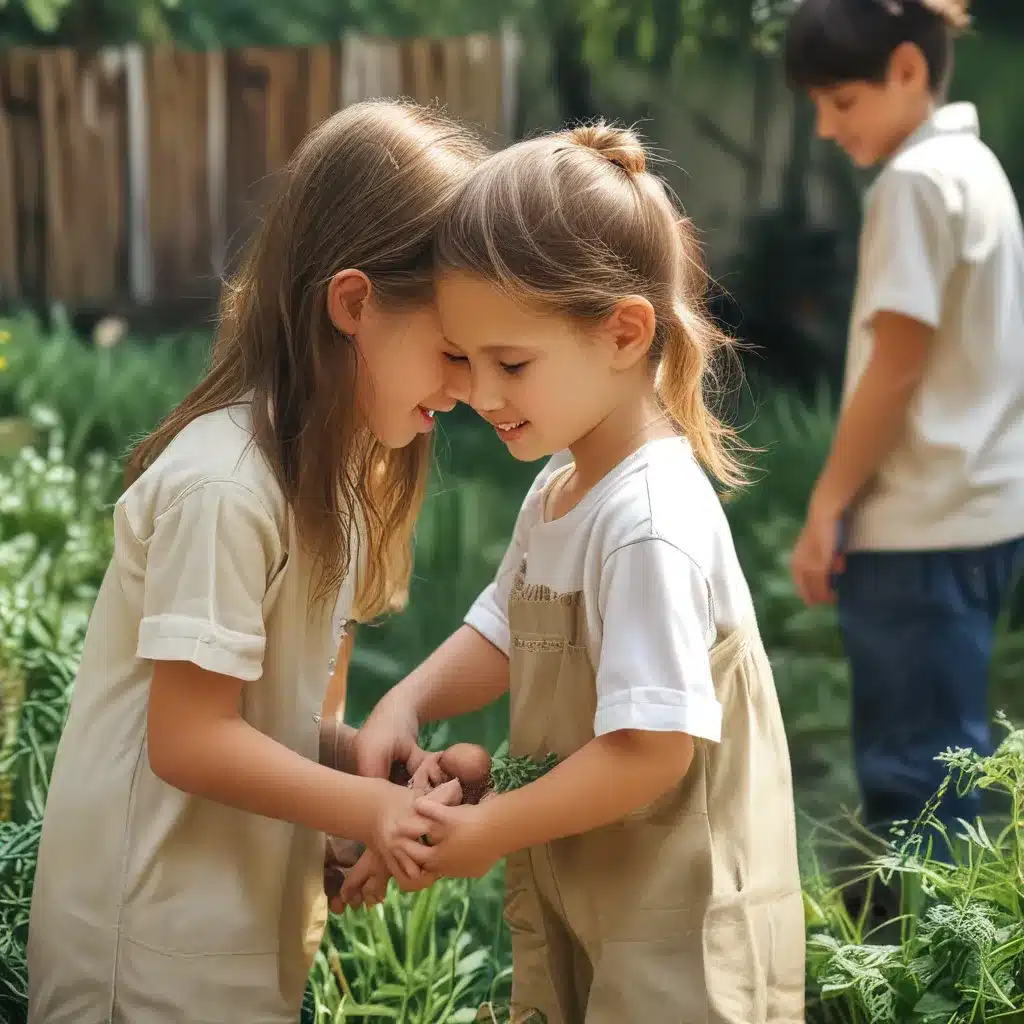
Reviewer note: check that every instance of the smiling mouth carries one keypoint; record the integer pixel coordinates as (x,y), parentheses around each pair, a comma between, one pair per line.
(504,428)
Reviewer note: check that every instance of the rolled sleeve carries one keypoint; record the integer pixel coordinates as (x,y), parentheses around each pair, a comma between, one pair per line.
(488,614)
(654,670)
(208,562)
(910,250)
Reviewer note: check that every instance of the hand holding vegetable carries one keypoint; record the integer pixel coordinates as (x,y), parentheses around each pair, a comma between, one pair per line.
(365,883)
(389,736)
(479,777)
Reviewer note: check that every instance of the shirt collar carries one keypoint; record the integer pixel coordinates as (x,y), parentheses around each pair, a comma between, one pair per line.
(950,119)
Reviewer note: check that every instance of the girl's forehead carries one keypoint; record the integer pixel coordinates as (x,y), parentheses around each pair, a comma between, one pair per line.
(480,316)
(465,297)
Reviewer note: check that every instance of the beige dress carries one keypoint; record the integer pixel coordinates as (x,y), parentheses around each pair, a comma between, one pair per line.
(688,911)
(152,906)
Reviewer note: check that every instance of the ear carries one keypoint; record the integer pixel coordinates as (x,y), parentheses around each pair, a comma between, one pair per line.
(908,66)
(347,294)
(630,330)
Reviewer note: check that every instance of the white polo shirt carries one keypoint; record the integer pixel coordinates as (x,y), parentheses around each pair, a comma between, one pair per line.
(942,243)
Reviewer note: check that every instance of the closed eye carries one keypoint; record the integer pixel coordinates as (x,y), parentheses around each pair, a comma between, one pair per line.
(513,368)
(454,357)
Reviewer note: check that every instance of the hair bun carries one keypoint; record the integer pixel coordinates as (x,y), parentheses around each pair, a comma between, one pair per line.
(618,146)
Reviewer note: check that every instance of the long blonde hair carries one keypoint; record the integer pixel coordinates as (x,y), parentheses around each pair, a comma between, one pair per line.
(571,223)
(366,189)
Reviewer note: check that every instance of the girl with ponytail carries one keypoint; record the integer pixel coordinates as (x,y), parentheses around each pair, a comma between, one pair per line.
(652,874)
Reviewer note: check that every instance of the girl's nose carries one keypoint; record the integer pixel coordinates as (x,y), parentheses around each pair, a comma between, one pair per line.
(457,382)
(483,396)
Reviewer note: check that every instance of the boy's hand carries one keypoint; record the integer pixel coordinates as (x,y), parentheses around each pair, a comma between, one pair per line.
(816,557)
(461,843)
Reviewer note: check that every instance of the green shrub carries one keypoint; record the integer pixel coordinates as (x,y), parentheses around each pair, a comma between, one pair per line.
(105,397)
(959,952)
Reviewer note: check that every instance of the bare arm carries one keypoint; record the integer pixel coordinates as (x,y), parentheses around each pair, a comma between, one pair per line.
(877,411)
(464,674)
(198,743)
(602,782)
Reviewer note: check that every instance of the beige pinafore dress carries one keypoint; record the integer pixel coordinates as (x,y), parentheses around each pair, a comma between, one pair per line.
(687,911)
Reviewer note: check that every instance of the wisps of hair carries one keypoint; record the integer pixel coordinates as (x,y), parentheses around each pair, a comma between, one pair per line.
(572,222)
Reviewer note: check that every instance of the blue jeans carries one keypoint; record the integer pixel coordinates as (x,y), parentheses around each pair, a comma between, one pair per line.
(918,628)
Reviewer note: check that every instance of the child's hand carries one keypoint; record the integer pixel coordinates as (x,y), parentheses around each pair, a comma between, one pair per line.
(397,821)
(429,774)
(816,557)
(339,857)
(366,883)
(461,841)
(388,735)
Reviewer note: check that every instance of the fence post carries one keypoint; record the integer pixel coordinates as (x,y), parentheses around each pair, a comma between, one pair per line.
(140,251)
(217,157)
(510,52)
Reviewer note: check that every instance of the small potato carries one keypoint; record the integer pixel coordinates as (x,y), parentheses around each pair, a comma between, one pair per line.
(467,762)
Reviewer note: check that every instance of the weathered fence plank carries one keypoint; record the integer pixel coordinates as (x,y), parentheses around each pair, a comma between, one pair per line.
(130,176)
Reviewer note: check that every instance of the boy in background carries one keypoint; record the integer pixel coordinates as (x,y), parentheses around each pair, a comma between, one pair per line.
(916,523)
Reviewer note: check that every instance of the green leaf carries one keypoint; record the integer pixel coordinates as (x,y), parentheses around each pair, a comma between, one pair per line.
(935,1003)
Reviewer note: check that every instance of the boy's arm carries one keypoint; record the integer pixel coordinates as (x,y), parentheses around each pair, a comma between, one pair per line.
(868,428)
(876,413)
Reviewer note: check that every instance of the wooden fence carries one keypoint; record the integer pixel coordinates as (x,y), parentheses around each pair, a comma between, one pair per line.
(130,176)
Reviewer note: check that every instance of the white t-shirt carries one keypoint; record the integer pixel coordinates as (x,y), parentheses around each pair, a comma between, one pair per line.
(942,243)
(650,550)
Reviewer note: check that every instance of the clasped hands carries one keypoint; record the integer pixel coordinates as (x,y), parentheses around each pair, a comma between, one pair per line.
(422,831)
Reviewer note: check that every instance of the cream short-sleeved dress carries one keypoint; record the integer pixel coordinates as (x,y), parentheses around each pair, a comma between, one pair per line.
(151,905)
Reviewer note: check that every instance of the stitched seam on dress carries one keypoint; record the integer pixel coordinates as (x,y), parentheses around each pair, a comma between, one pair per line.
(230,483)
(539,593)
(176,955)
(537,645)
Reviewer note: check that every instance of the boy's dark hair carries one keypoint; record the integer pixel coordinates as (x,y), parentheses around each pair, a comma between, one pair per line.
(833,41)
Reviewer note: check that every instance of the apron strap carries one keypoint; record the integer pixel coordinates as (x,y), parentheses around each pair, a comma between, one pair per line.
(730,651)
